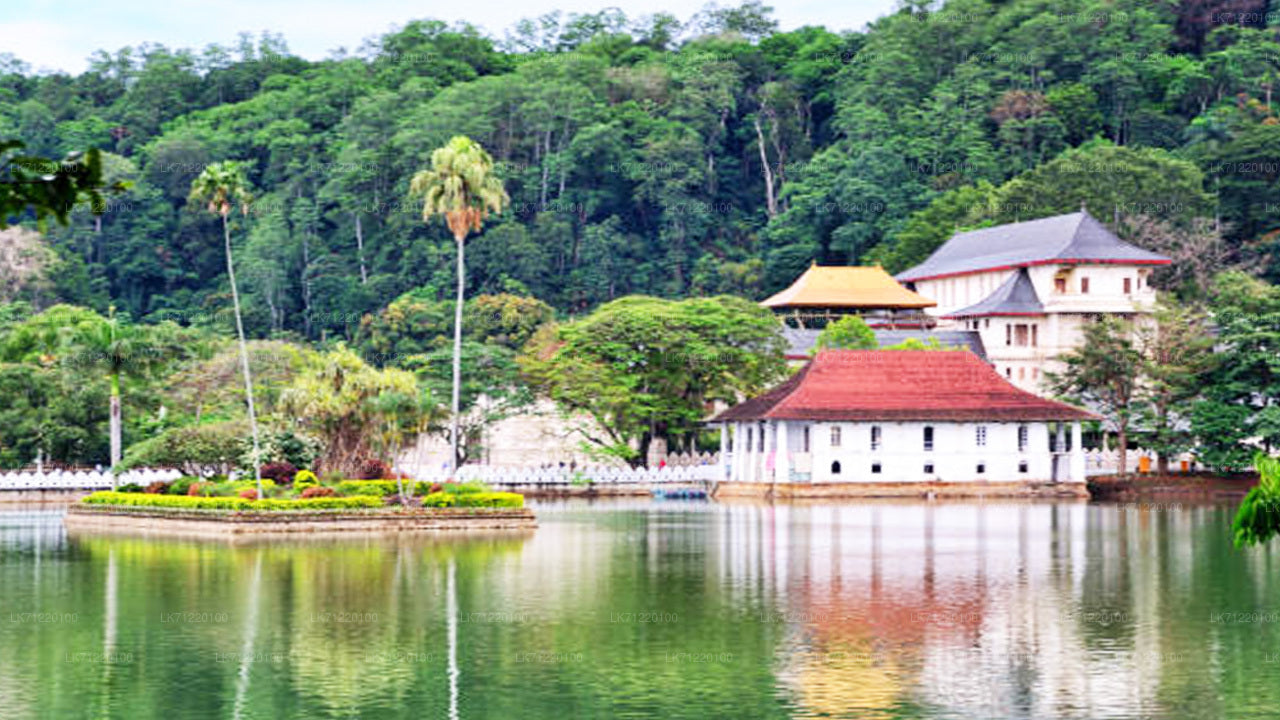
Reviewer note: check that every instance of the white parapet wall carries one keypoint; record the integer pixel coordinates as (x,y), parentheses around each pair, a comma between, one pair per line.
(82,479)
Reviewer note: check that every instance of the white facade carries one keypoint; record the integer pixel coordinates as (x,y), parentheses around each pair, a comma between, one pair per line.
(772,451)
(1023,348)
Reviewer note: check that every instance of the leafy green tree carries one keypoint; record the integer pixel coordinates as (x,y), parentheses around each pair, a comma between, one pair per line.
(335,398)
(643,368)
(1241,396)
(492,389)
(118,348)
(460,186)
(46,187)
(221,186)
(848,333)
(1258,518)
(1177,351)
(1105,373)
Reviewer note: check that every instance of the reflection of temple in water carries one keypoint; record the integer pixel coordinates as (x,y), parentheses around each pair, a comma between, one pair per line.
(977,609)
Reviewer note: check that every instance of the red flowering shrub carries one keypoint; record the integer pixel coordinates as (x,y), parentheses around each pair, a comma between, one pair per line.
(249,494)
(194,490)
(281,472)
(374,469)
(158,487)
(317,491)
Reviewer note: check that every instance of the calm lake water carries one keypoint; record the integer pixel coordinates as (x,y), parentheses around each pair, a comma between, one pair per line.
(653,609)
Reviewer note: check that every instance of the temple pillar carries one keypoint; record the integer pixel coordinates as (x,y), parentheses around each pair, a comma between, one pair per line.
(723,463)
(782,461)
(1077,453)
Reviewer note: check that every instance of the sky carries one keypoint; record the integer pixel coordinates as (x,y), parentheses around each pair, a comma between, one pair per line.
(61,34)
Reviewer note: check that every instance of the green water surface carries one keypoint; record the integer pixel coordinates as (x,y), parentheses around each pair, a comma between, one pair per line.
(656,609)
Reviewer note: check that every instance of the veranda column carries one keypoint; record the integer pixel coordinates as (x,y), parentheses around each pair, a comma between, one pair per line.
(782,461)
(1059,452)
(739,452)
(766,461)
(1077,453)
(723,464)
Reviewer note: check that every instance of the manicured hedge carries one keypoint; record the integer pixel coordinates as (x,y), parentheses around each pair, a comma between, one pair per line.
(474,499)
(376,488)
(229,503)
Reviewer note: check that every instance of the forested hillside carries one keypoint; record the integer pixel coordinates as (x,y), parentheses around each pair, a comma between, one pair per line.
(651,155)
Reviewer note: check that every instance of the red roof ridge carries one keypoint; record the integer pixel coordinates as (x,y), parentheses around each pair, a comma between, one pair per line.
(900,385)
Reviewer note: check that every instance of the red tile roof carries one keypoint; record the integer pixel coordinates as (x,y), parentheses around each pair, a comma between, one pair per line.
(900,385)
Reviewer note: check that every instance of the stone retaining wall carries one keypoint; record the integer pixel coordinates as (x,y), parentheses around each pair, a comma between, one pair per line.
(42,497)
(786,491)
(189,523)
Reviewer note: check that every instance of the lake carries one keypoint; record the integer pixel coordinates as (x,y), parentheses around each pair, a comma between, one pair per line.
(638,609)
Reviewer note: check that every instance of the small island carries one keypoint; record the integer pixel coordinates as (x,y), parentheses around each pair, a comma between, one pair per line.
(218,507)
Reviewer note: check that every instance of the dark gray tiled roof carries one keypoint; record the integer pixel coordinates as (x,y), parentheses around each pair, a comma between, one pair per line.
(1015,296)
(800,342)
(1076,237)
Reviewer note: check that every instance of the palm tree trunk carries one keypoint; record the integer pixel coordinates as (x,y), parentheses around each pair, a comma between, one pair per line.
(364,274)
(115,424)
(244,355)
(457,355)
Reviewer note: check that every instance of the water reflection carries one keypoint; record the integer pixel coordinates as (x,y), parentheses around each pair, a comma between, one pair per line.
(642,609)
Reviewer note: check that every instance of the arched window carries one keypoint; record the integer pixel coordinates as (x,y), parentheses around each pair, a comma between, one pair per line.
(835,467)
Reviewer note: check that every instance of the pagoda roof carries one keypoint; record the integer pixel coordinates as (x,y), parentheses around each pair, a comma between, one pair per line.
(864,287)
(899,386)
(1075,238)
(1015,296)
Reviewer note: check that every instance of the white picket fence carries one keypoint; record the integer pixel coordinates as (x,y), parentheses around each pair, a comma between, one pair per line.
(81,479)
(602,475)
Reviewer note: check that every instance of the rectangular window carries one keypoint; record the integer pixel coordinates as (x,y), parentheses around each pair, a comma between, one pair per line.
(982,468)
(1022,438)
(760,445)
(1128,286)
(1008,334)
(980,435)
(1022,466)
(1084,286)
(835,436)
(1035,336)
(928,438)
(928,468)
(805,435)
(875,468)
(875,437)
(1060,285)
(1020,335)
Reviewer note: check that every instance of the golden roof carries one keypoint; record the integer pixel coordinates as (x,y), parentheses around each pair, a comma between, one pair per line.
(850,287)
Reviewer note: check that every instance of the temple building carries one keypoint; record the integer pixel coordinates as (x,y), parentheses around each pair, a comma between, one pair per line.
(936,421)
(1029,287)
(825,293)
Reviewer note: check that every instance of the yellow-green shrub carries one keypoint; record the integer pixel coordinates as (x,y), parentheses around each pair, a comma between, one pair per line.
(305,479)
(107,497)
(379,488)
(474,499)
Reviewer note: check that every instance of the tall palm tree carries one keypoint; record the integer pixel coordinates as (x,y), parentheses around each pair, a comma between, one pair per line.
(221,186)
(119,348)
(461,186)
